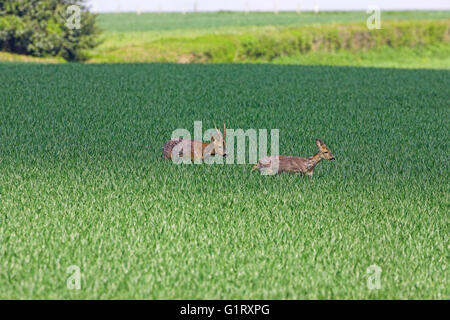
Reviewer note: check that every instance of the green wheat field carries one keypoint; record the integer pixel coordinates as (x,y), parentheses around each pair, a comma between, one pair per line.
(83,182)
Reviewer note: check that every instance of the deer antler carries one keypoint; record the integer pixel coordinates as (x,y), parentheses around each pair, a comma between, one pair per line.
(224,131)
(217,130)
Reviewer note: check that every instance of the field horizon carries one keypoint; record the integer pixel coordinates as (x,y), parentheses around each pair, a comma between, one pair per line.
(407,39)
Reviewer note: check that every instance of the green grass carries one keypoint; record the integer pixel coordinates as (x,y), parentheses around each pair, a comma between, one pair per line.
(14,57)
(427,57)
(82,182)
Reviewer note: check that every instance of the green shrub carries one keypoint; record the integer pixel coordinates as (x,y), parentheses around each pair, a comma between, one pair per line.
(39,28)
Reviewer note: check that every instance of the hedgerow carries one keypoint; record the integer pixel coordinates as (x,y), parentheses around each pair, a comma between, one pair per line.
(286,41)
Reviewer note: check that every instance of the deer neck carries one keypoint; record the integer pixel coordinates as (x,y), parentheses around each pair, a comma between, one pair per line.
(313,161)
(209,149)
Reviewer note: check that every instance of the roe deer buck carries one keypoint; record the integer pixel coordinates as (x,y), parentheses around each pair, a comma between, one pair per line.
(294,164)
(196,149)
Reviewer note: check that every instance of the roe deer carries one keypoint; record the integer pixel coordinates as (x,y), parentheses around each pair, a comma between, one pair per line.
(196,149)
(294,164)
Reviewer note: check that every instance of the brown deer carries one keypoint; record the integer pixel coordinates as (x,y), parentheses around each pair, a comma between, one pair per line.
(196,149)
(268,165)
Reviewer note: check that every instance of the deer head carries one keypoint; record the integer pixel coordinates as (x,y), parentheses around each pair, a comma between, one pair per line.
(219,142)
(324,152)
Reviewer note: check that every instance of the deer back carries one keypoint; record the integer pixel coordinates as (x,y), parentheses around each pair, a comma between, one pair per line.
(293,164)
(192,148)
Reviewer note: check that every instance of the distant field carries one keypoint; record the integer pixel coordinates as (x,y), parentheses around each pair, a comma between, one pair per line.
(265,37)
(326,38)
(82,182)
(149,22)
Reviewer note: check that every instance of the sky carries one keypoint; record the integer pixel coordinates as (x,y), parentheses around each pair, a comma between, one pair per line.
(261,5)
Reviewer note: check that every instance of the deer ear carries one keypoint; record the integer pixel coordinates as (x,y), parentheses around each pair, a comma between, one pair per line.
(319,143)
(219,134)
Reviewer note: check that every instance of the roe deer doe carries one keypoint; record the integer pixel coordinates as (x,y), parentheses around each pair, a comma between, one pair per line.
(294,164)
(196,149)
